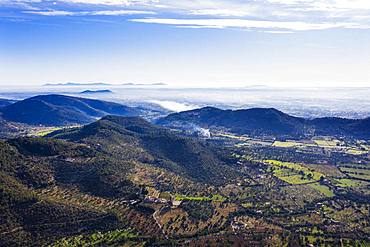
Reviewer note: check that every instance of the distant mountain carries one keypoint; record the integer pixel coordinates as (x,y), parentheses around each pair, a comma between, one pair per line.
(96,91)
(59,110)
(139,140)
(267,122)
(6,102)
(359,128)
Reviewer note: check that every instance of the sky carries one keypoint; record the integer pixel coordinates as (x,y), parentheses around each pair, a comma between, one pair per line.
(186,43)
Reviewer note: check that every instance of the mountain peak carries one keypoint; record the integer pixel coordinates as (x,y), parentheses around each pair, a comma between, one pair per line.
(57,110)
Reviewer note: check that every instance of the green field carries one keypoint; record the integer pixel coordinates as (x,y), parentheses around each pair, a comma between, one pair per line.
(359,176)
(45,132)
(346,182)
(323,189)
(356,151)
(286,144)
(289,144)
(356,173)
(293,179)
(355,170)
(327,143)
(112,238)
(295,174)
(306,174)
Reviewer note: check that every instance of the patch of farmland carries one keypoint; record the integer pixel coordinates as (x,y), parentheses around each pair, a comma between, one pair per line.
(357,173)
(44,131)
(354,165)
(323,189)
(356,170)
(359,176)
(327,143)
(289,144)
(286,144)
(111,238)
(328,170)
(310,174)
(356,151)
(294,179)
(346,182)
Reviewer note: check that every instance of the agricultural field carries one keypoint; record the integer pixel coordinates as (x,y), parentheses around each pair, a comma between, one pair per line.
(364,171)
(346,182)
(293,173)
(359,172)
(297,174)
(355,151)
(323,189)
(45,131)
(356,165)
(13,130)
(286,144)
(296,144)
(310,145)
(111,238)
(327,169)
(329,143)
(242,141)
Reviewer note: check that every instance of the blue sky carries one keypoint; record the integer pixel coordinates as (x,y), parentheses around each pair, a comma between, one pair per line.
(186,43)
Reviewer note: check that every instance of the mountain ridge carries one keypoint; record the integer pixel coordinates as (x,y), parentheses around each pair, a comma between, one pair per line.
(6,102)
(141,140)
(95,91)
(267,121)
(59,110)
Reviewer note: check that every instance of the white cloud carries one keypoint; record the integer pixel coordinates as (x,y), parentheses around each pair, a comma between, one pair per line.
(122,12)
(278,32)
(101,2)
(81,13)
(327,5)
(220,12)
(243,23)
(275,14)
(50,13)
(174,106)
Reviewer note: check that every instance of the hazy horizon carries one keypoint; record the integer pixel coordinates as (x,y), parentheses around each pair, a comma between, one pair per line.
(305,102)
(128,84)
